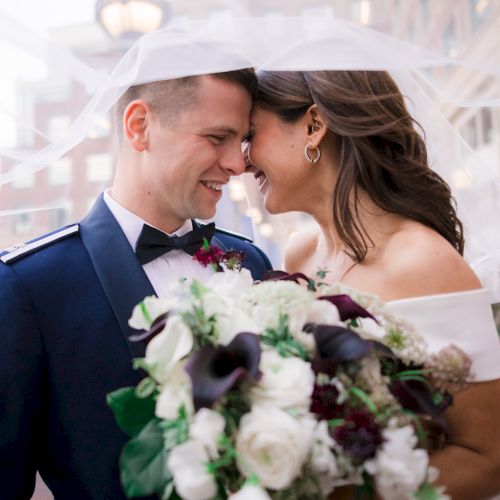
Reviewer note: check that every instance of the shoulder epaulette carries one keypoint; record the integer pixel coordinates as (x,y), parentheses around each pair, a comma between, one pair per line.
(236,235)
(20,250)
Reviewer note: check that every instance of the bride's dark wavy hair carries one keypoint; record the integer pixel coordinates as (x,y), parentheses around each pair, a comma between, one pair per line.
(379,148)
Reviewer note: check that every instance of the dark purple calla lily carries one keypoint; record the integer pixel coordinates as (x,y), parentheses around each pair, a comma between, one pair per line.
(216,370)
(156,327)
(416,396)
(284,276)
(348,309)
(334,345)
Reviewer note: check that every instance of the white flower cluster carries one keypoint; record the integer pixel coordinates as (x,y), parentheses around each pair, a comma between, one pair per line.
(399,468)
(267,301)
(404,340)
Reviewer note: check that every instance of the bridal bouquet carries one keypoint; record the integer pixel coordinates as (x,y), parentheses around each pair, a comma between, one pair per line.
(285,389)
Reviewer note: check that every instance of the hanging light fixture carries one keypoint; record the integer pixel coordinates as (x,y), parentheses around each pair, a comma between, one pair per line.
(131,18)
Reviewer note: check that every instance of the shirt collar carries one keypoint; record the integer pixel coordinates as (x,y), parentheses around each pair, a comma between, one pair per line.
(131,224)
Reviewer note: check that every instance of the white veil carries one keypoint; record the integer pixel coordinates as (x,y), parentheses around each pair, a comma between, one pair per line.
(286,43)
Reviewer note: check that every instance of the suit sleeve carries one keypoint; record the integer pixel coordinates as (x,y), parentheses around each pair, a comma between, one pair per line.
(22,388)
(265,258)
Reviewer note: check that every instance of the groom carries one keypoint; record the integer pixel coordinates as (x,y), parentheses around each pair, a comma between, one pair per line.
(65,298)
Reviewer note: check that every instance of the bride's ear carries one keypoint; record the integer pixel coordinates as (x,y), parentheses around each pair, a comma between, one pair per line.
(316,126)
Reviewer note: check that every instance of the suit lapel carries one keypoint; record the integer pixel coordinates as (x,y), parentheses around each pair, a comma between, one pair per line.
(120,274)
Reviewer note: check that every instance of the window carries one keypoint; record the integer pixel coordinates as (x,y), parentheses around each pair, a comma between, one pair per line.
(361,11)
(24,180)
(60,216)
(57,126)
(60,173)
(480,10)
(469,132)
(486,125)
(22,223)
(450,39)
(99,167)
(100,128)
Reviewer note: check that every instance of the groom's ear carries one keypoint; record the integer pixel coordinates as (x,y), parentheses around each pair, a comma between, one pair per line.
(136,118)
(316,126)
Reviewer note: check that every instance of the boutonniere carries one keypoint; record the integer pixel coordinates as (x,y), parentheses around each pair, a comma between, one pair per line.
(217,259)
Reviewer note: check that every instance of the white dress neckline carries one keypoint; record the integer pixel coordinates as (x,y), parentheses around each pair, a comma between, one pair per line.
(464,319)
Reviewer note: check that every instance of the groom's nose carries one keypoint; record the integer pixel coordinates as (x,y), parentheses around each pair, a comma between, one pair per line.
(232,162)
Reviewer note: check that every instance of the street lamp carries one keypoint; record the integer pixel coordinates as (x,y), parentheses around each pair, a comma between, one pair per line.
(131,18)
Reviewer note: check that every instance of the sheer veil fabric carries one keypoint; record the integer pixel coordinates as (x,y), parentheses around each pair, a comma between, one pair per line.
(293,43)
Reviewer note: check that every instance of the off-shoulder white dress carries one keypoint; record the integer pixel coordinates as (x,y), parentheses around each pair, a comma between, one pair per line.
(462,318)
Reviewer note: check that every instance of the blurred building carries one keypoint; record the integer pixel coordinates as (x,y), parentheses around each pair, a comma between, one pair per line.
(47,108)
(454,27)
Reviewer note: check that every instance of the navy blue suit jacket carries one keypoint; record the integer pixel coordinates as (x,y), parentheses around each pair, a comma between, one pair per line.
(64,313)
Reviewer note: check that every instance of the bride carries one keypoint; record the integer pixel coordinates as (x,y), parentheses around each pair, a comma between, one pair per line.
(342,147)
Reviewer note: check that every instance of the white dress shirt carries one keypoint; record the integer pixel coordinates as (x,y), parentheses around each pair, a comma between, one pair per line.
(171,266)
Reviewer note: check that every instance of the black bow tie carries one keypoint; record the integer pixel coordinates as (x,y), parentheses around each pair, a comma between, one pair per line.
(153,243)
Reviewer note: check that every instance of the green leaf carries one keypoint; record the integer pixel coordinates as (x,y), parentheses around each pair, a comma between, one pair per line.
(143,463)
(334,422)
(145,313)
(364,398)
(427,491)
(131,412)
(145,388)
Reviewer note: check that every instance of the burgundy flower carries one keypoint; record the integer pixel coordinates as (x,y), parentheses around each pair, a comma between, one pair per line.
(209,255)
(359,436)
(216,370)
(348,309)
(232,259)
(324,402)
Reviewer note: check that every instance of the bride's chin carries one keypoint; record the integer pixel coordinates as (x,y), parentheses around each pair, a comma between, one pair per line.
(273,207)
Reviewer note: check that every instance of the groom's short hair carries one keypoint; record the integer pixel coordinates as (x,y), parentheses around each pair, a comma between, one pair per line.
(168,98)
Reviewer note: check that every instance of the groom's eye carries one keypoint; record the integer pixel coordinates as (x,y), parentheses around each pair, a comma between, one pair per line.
(217,139)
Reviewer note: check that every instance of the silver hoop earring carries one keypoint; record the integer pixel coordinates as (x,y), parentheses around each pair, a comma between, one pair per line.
(308,155)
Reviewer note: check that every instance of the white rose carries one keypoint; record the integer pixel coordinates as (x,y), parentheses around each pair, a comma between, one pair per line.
(187,463)
(398,467)
(206,428)
(318,311)
(322,461)
(175,393)
(230,283)
(230,318)
(323,313)
(286,382)
(250,492)
(233,322)
(148,310)
(173,343)
(273,445)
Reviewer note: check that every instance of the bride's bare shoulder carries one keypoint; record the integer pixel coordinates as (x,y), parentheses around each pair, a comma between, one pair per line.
(300,247)
(419,261)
